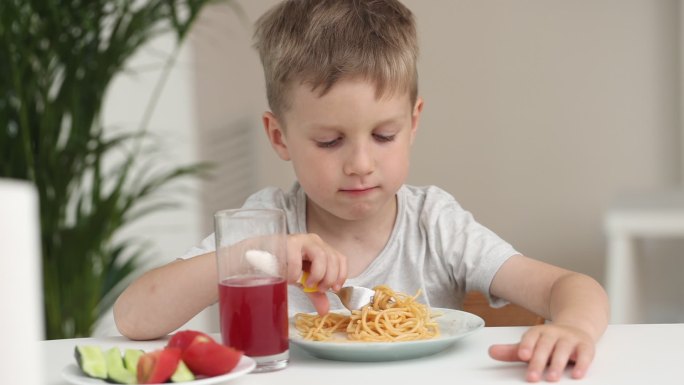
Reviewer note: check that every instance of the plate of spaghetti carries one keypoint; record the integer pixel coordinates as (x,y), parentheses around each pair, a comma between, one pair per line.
(393,327)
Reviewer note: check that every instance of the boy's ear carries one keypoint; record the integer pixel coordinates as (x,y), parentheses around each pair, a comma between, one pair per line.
(415,117)
(276,135)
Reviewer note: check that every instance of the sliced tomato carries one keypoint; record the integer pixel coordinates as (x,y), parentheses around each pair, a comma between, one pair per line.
(206,357)
(157,367)
(184,338)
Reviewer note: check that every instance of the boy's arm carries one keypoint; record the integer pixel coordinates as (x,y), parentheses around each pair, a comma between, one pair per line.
(576,305)
(163,299)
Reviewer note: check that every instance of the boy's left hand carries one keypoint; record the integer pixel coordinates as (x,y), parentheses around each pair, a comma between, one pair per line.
(549,347)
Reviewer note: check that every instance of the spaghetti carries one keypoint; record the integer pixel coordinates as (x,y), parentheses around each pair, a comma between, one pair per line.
(391,317)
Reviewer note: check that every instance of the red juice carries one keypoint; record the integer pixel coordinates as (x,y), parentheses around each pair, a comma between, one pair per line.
(253,313)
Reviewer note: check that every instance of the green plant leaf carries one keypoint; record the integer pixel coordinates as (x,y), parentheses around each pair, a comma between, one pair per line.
(57,60)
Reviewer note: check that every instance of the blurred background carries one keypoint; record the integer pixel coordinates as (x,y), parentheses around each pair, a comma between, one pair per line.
(539,116)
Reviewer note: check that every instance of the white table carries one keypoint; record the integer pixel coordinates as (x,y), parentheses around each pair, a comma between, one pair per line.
(628,220)
(627,354)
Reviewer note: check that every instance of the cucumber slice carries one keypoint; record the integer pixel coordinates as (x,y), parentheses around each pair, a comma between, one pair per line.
(116,372)
(91,360)
(182,373)
(131,357)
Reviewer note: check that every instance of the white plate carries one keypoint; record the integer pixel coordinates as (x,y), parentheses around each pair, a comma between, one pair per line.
(73,374)
(453,325)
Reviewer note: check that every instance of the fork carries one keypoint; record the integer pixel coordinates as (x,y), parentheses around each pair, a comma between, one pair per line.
(352,297)
(355,297)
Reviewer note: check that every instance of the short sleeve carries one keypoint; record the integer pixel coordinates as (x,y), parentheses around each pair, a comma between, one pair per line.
(472,252)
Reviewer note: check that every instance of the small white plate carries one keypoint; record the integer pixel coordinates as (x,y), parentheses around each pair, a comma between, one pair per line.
(73,374)
(453,325)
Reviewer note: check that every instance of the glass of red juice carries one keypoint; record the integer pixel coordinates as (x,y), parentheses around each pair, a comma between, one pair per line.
(251,253)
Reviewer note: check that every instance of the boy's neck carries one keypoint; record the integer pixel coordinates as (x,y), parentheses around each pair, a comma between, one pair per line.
(359,240)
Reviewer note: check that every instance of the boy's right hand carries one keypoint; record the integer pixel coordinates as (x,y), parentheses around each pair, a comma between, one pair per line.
(326,266)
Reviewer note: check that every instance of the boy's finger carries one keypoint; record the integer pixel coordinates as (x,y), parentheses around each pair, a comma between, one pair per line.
(331,271)
(540,357)
(559,360)
(342,272)
(504,352)
(294,260)
(294,270)
(320,302)
(316,255)
(527,344)
(585,354)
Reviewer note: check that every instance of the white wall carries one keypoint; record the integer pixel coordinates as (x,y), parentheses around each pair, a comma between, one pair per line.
(545,110)
(538,114)
(173,125)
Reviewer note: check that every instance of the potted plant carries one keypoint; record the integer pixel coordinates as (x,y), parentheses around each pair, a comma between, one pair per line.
(58,58)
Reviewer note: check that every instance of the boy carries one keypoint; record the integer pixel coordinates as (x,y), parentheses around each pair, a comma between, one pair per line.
(342,88)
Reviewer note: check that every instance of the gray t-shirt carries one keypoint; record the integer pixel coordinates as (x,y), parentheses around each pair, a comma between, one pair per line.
(436,246)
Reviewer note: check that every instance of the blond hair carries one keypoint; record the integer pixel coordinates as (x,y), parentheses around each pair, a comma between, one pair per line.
(318,42)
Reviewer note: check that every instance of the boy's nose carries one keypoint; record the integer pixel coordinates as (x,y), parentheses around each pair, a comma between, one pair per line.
(359,162)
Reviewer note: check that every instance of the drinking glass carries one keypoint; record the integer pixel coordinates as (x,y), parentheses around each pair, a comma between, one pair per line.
(251,252)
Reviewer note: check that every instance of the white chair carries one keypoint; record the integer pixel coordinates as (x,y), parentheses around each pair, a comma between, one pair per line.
(657,215)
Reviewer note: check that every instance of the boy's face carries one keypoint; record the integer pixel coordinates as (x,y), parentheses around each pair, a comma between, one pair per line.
(350,151)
